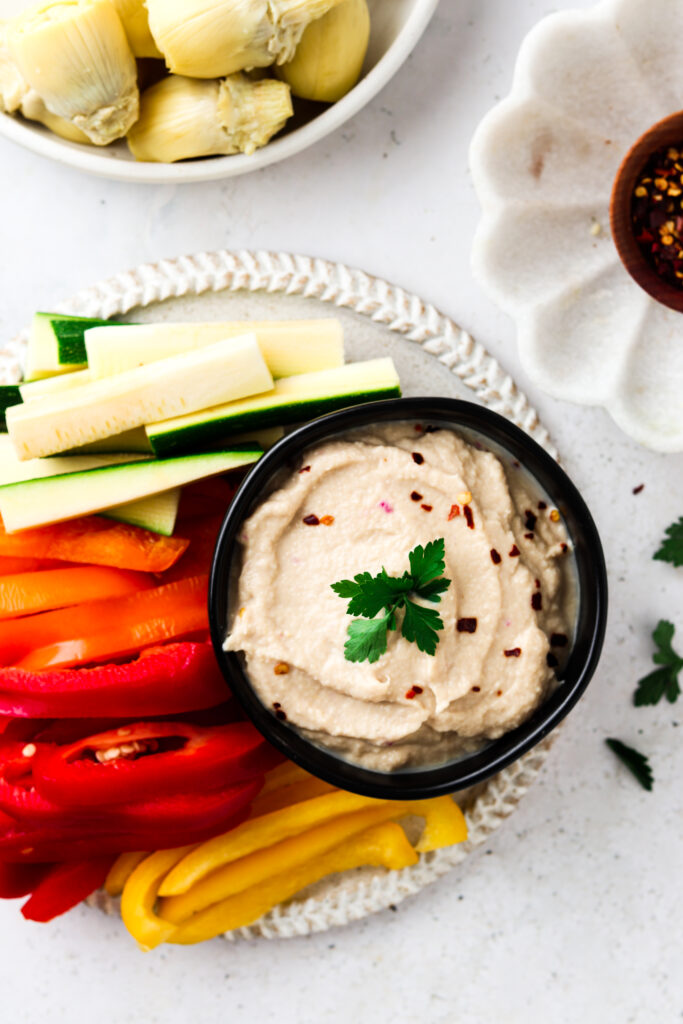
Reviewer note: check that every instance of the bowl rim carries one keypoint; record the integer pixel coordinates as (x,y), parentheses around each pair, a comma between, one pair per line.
(591,571)
(104,162)
(665,132)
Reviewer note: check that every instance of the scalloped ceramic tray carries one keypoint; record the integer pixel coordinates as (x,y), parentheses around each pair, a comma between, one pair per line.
(587,84)
(433,356)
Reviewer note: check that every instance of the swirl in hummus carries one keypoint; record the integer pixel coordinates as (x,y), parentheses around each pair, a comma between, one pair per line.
(363,502)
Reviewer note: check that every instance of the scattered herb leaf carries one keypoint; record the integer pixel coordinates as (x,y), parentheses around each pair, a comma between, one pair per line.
(369,595)
(637,763)
(672,548)
(663,682)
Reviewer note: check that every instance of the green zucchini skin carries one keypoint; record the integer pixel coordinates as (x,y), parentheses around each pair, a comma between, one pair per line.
(9,395)
(213,430)
(70,334)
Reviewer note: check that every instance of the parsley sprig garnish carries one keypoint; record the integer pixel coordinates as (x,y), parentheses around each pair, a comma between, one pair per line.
(369,595)
(663,682)
(672,548)
(636,762)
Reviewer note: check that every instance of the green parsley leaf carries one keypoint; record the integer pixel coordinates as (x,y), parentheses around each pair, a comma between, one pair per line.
(420,626)
(367,639)
(637,763)
(428,562)
(369,595)
(663,682)
(672,548)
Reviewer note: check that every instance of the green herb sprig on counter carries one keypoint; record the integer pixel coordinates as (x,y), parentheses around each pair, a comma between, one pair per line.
(370,595)
(663,682)
(637,763)
(672,548)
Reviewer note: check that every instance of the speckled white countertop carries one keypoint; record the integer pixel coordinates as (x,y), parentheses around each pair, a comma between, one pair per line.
(573,911)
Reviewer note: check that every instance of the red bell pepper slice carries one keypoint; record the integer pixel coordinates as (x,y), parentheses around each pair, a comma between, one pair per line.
(64,887)
(177,812)
(20,879)
(16,759)
(149,760)
(171,679)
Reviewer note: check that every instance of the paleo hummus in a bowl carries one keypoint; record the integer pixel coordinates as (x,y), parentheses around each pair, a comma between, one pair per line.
(407,596)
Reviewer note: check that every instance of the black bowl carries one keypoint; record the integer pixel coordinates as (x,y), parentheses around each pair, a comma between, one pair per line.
(591,584)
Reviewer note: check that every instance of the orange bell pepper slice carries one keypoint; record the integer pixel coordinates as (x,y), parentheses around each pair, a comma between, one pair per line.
(9,566)
(29,592)
(106,629)
(94,540)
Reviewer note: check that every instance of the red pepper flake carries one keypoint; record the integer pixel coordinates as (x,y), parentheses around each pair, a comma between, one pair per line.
(413,692)
(454,512)
(495,557)
(281,715)
(476,689)
(426,508)
(281,669)
(418,428)
(311,520)
(469,516)
(564,548)
(542,506)
(551,660)
(514,551)
(537,584)
(306,469)
(327,520)
(416,496)
(514,652)
(528,536)
(418,458)
(466,625)
(536,602)
(530,520)
(559,640)
(639,488)
(276,705)
(657,213)
(499,693)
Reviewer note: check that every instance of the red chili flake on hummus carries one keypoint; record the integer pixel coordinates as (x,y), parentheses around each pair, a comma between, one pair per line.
(327,520)
(476,689)
(281,669)
(514,652)
(467,626)
(426,508)
(419,459)
(454,512)
(416,496)
(514,551)
(559,640)
(536,602)
(529,520)
(639,488)
(306,469)
(413,692)
(469,516)
(537,584)
(542,506)
(281,715)
(528,536)
(551,660)
(311,520)
(495,557)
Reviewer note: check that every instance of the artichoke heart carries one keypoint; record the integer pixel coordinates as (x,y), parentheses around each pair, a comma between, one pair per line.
(76,56)
(329,59)
(12,85)
(133,15)
(213,38)
(33,108)
(181,118)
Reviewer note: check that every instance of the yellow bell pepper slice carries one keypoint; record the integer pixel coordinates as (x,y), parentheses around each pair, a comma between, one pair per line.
(121,870)
(256,833)
(140,895)
(285,796)
(383,845)
(445,823)
(285,775)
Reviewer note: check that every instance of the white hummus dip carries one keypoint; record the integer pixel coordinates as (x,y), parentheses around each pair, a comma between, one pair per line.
(362,503)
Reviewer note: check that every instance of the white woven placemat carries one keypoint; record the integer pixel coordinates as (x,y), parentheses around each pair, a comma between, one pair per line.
(351,896)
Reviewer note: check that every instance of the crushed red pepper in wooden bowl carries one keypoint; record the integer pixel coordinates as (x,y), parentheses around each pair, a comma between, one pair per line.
(657,212)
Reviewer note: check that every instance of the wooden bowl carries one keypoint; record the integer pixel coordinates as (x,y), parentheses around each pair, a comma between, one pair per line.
(668,132)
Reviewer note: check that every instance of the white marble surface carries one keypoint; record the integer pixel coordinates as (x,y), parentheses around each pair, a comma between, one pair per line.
(573,912)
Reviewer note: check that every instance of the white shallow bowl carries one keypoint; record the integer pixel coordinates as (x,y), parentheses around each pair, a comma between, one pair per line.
(587,85)
(396,26)
(433,356)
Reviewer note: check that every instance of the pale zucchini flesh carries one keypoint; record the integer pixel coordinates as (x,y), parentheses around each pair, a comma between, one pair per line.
(57,498)
(53,385)
(288,346)
(157,513)
(291,400)
(56,345)
(181,384)
(13,470)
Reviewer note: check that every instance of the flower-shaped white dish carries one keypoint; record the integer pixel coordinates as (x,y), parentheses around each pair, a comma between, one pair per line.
(587,85)
(396,26)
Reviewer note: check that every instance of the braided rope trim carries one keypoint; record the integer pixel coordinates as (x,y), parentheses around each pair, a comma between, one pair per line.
(352,896)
